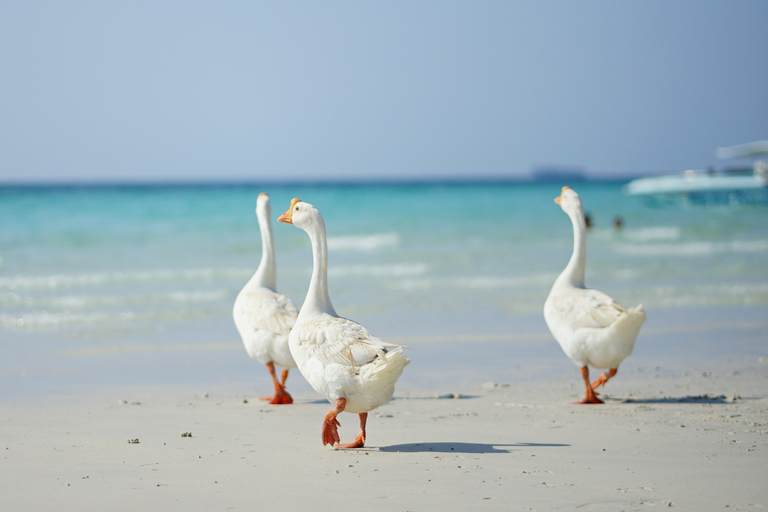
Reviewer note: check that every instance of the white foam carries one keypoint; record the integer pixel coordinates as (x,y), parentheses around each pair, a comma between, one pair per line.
(493,282)
(379,270)
(744,246)
(627,274)
(712,295)
(70,302)
(415,284)
(683,249)
(46,319)
(363,242)
(197,296)
(59,281)
(11,299)
(666,233)
(693,248)
(481,282)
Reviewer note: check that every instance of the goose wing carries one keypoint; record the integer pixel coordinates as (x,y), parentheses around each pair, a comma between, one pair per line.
(339,340)
(586,308)
(265,309)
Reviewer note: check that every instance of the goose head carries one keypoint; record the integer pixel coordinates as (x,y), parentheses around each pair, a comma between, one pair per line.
(302,215)
(263,207)
(569,201)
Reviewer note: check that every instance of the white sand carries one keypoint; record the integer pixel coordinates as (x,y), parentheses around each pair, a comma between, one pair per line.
(503,448)
(690,433)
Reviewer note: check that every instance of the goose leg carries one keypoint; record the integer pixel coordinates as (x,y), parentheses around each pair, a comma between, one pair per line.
(359,441)
(331,425)
(281,396)
(591,394)
(603,378)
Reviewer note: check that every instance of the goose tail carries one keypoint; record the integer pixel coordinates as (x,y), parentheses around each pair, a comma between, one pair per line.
(387,368)
(630,321)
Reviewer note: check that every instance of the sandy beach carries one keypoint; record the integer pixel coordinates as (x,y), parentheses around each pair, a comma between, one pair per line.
(478,424)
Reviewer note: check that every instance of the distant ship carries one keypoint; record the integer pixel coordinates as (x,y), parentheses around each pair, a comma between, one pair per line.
(558,173)
(732,187)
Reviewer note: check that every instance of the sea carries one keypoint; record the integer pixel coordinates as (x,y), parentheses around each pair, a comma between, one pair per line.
(134,284)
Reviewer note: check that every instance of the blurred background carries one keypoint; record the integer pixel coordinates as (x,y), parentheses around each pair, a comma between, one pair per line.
(433,137)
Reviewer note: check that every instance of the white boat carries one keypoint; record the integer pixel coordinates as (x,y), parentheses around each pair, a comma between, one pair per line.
(748,186)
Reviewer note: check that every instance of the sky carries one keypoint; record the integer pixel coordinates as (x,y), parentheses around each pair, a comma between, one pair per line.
(284,91)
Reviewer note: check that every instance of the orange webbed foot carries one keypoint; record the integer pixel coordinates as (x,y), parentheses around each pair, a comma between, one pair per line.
(600,381)
(603,378)
(330,432)
(590,395)
(278,398)
(359,442)
(589,400)
(282,398)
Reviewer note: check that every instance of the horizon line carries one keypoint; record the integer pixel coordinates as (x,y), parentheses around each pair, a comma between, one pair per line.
(166,182)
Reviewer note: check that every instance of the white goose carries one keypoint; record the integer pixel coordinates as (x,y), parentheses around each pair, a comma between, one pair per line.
(263,317)
(590,326)
(353,369)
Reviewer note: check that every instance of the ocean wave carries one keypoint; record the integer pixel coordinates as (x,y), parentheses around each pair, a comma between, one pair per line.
(197,296)
(480,282)
(711,295)
(15,300)
(363,242)
(90,318)
(693,248)
(49,320)
(379,270)
(746,246)
(491,282)
(59,281)
(668,233)
(627,274)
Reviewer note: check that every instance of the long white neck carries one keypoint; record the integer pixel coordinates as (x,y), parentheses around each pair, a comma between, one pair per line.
(266,274)
(318,301)
(573,275)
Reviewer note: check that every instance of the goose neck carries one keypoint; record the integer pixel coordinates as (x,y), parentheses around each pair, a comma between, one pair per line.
(318,300)
(573,274)
(266,274)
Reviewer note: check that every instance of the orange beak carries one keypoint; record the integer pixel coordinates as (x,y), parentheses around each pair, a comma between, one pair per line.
(286,217)
(560,197)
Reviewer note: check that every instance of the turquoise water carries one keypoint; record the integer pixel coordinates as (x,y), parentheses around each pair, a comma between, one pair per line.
(134,285)
(107,262)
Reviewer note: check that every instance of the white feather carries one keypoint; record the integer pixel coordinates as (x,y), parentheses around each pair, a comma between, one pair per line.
(263,317)
(337,356)
(591,327)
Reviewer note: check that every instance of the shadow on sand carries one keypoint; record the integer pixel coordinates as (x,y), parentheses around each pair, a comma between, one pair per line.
(689,399)
(446,396)
(458,447)
(312,401)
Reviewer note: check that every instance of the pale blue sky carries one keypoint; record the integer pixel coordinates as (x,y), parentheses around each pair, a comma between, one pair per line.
(251,90)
